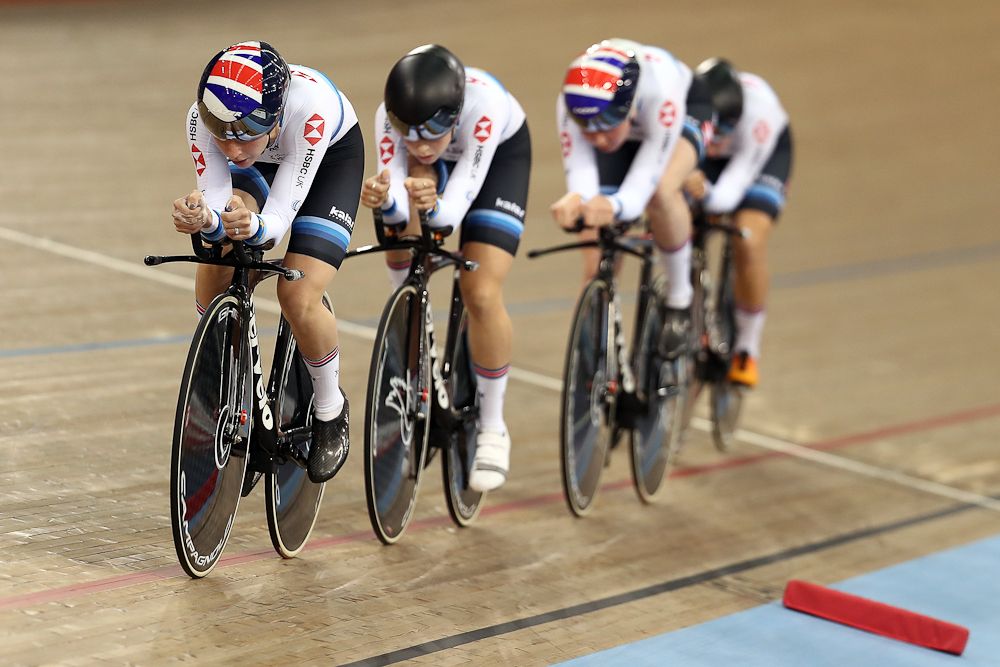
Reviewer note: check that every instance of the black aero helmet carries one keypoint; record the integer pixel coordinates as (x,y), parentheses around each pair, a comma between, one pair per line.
(424,92)
(723,83)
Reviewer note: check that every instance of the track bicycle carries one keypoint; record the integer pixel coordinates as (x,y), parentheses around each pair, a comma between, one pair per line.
(713,328)
(609,389)
(230,430)
(419,402)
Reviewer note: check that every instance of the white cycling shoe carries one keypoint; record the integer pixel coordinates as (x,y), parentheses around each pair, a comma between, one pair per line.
(489,468)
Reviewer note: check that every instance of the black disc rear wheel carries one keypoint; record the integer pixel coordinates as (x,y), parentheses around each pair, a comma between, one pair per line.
(659,383)
(588,398)
(460,448)
(292,500)
(211,429)
(396,415)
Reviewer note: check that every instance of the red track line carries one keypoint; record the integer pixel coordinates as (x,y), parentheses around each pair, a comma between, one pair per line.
(169,572)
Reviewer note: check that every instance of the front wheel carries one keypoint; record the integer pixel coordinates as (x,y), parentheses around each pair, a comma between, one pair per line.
(460,447)
(211,431)
(588,397)
(397,410)
(660,384)
(291,499)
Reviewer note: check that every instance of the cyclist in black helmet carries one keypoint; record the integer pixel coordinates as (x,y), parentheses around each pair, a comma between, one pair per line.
(745,172)
(278,147)
(452,141)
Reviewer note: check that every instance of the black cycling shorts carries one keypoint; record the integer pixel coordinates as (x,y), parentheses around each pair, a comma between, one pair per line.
(323,224)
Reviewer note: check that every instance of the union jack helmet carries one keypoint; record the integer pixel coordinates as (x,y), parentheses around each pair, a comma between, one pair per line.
(600,85)
(242,91)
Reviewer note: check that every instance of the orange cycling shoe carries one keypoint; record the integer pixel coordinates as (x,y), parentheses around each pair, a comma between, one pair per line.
(743,370)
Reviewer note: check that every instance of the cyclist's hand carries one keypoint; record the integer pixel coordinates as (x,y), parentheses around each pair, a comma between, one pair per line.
(598,212)
(423,192)
(376,190)
(567,210)
(694,185)
(191,214)
(239,222)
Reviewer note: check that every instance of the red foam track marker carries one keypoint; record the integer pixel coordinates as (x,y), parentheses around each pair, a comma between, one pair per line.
(877,617)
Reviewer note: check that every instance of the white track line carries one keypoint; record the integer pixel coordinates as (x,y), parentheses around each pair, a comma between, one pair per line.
(528,377)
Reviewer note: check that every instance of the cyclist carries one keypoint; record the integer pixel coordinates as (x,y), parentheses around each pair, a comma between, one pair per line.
(277,146)
(452,141)
(623,111)
(745,173)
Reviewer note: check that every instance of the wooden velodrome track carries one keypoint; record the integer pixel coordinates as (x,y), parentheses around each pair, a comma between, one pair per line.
(872,439)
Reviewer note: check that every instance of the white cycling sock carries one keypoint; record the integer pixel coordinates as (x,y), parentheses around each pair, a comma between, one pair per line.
(491,385)
(397,272)
(328,402)
(677,265)
(749,327)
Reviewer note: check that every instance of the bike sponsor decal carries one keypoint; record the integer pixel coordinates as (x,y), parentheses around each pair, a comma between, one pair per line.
(342,216)
(440,390)
(258,376)
(402,399)
(510,207)
(199,159)
(199,560)
(223,443)
(484,127)
(314,129)
(668,114)
(386,149)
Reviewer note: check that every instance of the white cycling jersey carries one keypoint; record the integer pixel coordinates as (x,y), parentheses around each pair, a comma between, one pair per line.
(749,145)
(316,115)
(658,116)
(490,115)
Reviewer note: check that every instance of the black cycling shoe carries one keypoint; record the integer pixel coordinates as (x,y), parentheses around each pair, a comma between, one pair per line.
(330,443)
(675,333)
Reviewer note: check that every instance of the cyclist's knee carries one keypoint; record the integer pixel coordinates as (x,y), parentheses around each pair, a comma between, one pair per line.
(482,298)
(753,247)
(298,300)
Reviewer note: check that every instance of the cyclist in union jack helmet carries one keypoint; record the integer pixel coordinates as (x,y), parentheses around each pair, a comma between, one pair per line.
(278,147)
(745,172)
(454,142)
(631,121)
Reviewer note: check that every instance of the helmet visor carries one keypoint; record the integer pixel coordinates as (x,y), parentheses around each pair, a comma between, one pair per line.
(609,118)
(248,128)
(435,127)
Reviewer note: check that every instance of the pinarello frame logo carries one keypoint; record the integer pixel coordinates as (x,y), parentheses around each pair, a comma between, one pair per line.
(314,129)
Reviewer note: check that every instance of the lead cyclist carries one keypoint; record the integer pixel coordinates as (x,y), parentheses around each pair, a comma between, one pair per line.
(278,147)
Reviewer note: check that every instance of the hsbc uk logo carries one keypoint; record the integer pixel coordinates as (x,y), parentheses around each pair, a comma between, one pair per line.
(567,143)
(199,159)
(668,114)
(314,129)
(386,149)
(484,127)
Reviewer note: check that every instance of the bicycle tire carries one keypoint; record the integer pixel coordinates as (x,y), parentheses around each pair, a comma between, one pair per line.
(292,501)
(655,434)
(207,461)
(587,411)
(397,410)
(725,398)
(464,503)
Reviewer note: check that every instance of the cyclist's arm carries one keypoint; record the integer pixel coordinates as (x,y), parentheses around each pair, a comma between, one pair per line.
(755,141)
(579,158)
(391,155)
(297,170)
(650,163)
(211,169)
(469,173)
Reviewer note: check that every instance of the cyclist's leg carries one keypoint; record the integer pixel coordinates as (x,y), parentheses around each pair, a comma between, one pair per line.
(490,234)
(321,233)
(756,213)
